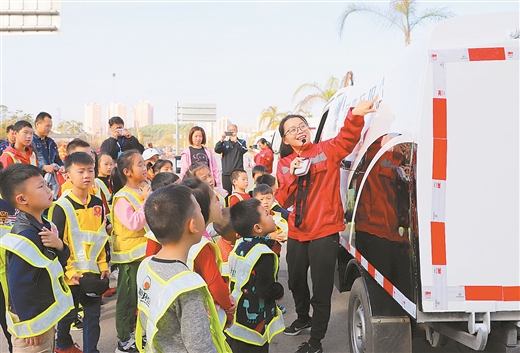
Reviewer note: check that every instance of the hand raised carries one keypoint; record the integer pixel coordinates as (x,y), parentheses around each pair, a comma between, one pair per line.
(365,107)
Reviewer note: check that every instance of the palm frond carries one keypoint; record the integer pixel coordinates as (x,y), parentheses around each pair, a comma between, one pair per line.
(312,85)
(374,12)
(434,14)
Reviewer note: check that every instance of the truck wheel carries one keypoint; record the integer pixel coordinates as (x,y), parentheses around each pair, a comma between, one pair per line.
(359,325)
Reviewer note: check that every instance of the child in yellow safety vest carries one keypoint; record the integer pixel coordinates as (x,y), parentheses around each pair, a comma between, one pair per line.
(253,268)
(129,241)
(34,257)
(20,151)
(80,218)
(175,306)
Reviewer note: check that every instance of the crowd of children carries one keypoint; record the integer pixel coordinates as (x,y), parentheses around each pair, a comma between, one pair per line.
(203,250)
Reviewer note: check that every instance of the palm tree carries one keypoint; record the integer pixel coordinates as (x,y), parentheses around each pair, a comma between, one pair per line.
(272,116)
(401,14)
(319,95)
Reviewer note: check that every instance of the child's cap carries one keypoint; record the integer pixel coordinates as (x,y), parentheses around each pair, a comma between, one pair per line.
(149,153)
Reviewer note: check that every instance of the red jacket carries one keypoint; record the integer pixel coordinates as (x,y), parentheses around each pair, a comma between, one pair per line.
(323,210)
(265,157)
(6,159)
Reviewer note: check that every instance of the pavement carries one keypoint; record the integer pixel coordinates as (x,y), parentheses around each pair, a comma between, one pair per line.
(334,342)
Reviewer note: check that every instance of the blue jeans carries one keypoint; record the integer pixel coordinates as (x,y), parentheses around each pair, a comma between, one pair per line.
(91,329)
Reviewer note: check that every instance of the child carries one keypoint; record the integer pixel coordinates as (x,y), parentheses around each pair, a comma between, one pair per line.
(80,218)
(129,242)
(202,172)
(204,257)
(21,151)
(257,171)
(228,236)
(35,256)
(253,269)
(175,306)
(103,184)
(161,179)
(265,195)
(163,165)
(150,156)
(240,182)
(77,145)
(268,180)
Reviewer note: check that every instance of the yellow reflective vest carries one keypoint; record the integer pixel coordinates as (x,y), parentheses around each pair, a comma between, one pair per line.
(128,245)
(240,268)
(86,245)
(33,159)
(63,303)
(151,288)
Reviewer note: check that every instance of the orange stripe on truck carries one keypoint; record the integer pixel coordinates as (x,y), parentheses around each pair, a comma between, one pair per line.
(484,293)
(438,243)
(439,118)
(440,151)
(485,54)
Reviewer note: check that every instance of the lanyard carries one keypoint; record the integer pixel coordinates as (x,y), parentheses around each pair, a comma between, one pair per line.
(121,145)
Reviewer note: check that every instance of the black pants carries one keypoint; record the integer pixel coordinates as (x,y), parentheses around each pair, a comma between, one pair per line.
(226,183)
(242,347)
(320,255)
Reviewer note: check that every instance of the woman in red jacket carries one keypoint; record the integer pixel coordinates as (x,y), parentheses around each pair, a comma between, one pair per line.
(265,156)
(317,217)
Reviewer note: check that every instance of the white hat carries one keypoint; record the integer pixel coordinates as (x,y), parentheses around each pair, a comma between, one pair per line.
(149,153)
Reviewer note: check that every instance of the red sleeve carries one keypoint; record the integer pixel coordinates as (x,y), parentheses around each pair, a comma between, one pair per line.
(6,160)
(233,200)
(342,145)
(206,266)
(287,182)
(152,247)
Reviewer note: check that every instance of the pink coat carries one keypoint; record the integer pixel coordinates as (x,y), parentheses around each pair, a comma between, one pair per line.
(213,166)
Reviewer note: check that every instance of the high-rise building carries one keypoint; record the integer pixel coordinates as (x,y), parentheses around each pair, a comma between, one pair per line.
(117,109)
(92,120)
(143,114)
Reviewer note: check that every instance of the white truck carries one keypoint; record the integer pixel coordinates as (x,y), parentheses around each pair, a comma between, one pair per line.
(431,193)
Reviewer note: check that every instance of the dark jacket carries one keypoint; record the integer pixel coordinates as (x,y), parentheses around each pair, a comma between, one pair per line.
(113,146)
(30,287)
(46,151)
(232,155)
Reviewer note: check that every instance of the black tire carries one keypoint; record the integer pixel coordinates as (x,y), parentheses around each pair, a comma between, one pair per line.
(359,324)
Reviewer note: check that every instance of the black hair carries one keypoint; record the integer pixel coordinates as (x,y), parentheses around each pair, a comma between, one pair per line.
(163,179)
(193,169)
(236,173)
(9,128)
(265,142)
(223,226)
(167,210)
(77,142)
(42,116)
(286,150)
(20,124)
(101,154)
(159,164)
(78,158)
(258,169)
(202,193)
(266,179)
(262,189)
(124,161)
(149,166)
(244,216)
(13,178)
(115,120)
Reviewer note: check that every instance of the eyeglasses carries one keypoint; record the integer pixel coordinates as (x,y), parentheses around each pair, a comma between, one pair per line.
(295,129)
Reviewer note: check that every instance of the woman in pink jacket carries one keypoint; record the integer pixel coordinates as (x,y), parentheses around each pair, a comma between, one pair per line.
(198,153)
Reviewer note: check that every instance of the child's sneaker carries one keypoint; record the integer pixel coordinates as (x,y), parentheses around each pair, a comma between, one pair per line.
(128,347)
(109,292)
(282,308)
(72,349)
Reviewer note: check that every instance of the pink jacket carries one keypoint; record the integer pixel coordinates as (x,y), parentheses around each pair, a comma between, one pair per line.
(213,166)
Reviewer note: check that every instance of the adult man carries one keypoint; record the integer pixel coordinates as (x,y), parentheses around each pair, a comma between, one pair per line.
(121,139)
(45,148)
(10,137)
(232,151)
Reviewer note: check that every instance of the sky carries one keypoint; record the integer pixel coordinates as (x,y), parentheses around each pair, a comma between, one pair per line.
(241,56)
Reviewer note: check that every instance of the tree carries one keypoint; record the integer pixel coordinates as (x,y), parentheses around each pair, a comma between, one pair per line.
(8,118)
(272,116)
(401,14)
(319,95)
(72,127)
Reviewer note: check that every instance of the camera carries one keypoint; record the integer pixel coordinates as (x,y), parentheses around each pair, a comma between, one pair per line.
(229,133)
